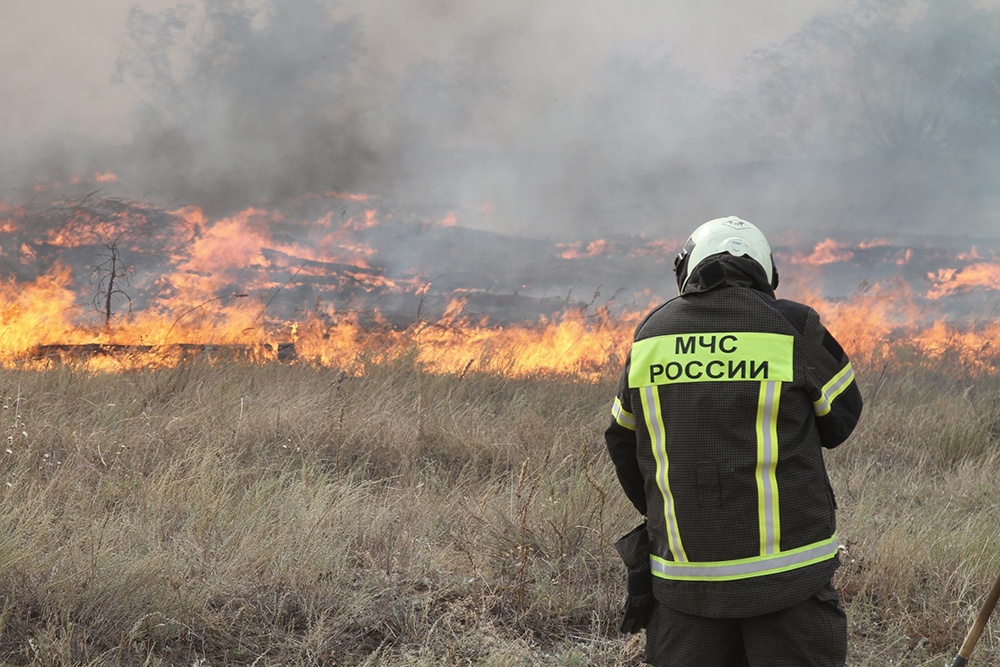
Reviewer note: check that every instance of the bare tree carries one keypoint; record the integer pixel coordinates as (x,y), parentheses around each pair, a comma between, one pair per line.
(110,274)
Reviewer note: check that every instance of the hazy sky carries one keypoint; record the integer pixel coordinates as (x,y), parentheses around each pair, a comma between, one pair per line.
(59,56)
(528,116)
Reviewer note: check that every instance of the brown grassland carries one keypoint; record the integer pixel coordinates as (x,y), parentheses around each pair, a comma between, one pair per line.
(226,513)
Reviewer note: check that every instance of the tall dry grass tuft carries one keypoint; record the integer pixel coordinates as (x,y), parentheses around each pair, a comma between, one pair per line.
(232,514)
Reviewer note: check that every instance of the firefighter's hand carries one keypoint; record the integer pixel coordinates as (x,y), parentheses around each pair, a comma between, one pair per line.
(639,602)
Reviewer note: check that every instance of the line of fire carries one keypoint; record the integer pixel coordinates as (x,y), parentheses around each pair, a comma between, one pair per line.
(342,280)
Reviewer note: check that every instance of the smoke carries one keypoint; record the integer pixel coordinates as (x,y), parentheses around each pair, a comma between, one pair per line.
(543,119)
(244,105)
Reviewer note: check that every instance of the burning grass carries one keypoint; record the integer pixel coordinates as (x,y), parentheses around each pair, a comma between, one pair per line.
(341,278)
(236,513)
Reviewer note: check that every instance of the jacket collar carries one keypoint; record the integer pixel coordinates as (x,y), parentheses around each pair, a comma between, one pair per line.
(725,270)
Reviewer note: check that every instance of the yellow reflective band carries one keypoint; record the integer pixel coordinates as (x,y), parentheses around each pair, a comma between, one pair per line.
(832,389)
(769,518)
(657,433)
(624,418)
(711,357)
(745,568)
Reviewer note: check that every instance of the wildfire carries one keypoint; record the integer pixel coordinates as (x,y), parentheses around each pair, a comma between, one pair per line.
(951,281)
(578,249)
(112,284)
(826,251)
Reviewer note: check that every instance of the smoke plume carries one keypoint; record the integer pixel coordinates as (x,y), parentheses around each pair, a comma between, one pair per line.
(881,118)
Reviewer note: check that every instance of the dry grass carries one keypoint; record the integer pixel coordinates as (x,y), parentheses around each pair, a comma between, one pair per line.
(919,515)
(228,514)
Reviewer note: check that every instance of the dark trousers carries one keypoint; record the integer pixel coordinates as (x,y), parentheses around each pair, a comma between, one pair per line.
(810,634)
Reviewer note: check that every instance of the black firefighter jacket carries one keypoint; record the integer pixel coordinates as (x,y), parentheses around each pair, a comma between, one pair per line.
(726,401)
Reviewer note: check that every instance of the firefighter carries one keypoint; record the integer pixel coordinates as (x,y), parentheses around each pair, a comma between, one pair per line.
(727,399)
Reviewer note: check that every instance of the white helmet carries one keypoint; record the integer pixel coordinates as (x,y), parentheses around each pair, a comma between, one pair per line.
(732,235)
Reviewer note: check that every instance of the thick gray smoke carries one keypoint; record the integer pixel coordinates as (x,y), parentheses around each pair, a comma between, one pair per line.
(878,119)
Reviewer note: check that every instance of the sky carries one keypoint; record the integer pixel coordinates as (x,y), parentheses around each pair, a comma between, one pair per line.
(60,56)
(551,117)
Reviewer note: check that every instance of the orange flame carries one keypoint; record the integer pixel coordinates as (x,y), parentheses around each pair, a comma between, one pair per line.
(952,281)
(217,277)
(826,251)
(576,250)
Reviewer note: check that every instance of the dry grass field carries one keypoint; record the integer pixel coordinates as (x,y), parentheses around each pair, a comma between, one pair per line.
(238,514)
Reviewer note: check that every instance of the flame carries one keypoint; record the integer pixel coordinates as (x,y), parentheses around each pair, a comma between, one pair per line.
(453,311)
(202,283)
(826,251)
(887,324)
(572,345)
(578,249)
(369,220)
(870,320)
(952,281)
(36,312)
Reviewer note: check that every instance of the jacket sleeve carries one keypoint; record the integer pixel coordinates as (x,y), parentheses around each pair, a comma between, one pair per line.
(836,397)
(621,442)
